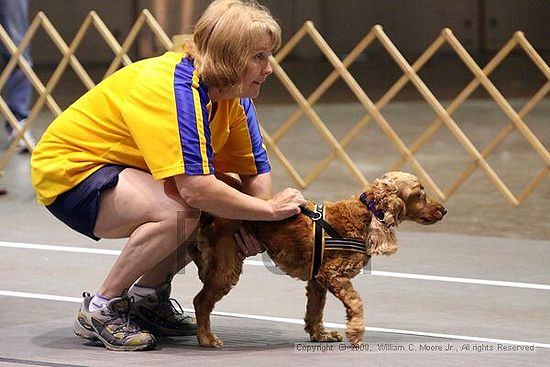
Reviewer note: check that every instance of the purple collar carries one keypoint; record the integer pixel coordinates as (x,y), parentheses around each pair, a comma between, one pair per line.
(379,214)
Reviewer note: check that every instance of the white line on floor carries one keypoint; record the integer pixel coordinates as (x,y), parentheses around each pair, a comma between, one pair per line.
(437,278)
(301,322)
(496,283)
(34,246)
(47,297)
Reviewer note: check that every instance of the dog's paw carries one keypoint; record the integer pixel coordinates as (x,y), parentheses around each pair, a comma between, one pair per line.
(327,336)
(211,341)
(335,335)
(355,340)
(217,343)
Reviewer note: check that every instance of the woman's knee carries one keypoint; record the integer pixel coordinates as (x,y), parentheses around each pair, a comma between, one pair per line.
(180,218)
(136,200)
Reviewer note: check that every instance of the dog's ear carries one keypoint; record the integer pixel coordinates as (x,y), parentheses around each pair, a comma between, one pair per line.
(381,239)
(385,192)
(394,210)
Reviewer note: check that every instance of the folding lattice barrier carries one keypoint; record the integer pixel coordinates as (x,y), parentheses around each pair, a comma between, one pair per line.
(372,110)
(40,21)
(410,73)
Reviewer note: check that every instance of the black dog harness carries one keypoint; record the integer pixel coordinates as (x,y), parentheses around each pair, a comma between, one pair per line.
(335,240)
(320,243)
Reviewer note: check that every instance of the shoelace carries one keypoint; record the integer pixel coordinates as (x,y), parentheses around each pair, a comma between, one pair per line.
(168,305)
(126,324)
(123,314)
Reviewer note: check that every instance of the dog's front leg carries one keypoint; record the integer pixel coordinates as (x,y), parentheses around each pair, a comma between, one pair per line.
(316,297)
(342,288)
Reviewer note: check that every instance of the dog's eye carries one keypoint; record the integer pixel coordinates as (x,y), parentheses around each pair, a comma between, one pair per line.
(418,195)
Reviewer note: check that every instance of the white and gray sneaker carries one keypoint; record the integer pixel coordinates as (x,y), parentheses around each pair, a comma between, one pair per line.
(112,326)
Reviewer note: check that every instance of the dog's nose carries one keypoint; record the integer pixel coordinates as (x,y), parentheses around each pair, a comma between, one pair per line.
(443,212)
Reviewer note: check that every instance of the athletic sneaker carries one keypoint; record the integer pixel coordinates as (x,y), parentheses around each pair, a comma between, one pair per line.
(158,313)
(112,326)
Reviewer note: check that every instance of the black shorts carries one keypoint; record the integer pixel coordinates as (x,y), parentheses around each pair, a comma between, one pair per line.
(78,207)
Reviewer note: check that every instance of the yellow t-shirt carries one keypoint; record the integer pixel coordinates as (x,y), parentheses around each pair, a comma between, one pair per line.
(154,115)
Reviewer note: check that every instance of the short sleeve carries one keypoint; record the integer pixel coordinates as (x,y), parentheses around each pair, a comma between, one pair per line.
(167,117)
(192,115)
(244,151)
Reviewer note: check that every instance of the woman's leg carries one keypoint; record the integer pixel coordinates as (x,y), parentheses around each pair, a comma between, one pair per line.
(138,208)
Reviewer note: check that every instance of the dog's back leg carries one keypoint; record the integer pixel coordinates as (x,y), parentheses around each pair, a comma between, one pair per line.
(316,297)
(342,289)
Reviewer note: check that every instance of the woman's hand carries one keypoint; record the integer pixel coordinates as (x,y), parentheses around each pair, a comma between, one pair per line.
(207,193)
(248,244)
(286,203)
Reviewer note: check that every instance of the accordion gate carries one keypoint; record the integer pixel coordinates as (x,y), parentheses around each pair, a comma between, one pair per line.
(372,109)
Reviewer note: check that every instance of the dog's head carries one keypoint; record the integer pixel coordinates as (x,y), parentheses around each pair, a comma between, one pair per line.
(393,198)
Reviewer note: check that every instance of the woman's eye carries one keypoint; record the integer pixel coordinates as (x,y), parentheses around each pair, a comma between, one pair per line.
(261,56)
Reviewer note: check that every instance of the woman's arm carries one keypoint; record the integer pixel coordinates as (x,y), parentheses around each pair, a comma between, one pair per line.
(259,186)
(255,185)
(206,192)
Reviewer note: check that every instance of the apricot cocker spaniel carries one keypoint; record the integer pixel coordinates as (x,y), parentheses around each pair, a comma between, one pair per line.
(326,246)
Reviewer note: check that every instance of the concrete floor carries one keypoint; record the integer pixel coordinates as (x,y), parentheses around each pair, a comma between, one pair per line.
(477,280)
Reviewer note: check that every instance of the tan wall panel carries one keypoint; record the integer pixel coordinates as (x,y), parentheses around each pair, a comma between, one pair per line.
(67,17)
(506,16)
(412,24)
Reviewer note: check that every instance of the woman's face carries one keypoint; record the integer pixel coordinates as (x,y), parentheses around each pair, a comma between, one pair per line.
(256,72)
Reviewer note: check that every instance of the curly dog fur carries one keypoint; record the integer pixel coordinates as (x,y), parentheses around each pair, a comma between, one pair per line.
(289,244)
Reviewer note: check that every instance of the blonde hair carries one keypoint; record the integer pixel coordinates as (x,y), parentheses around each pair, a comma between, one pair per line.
(226,36)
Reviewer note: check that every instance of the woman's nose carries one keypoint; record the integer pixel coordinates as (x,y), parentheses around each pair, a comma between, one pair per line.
(268,70)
